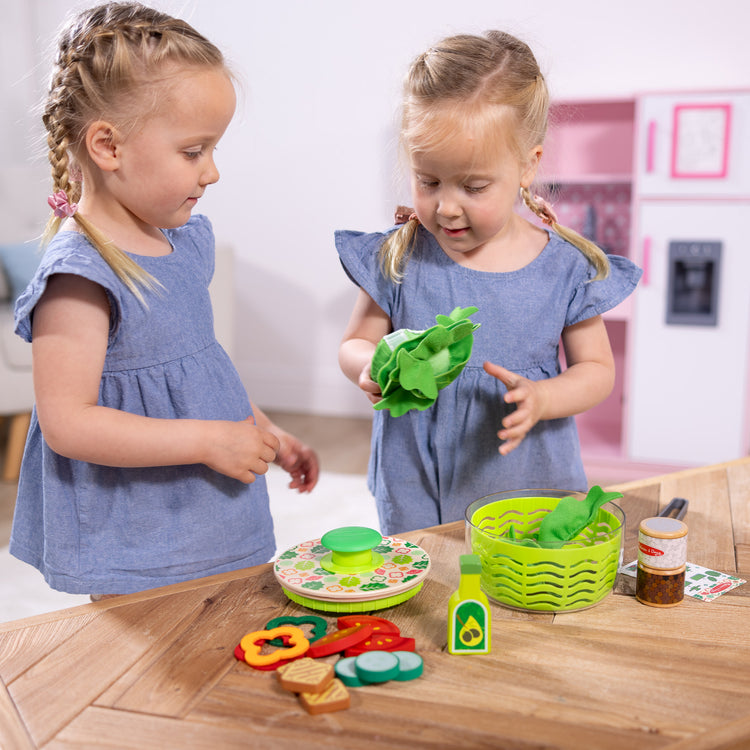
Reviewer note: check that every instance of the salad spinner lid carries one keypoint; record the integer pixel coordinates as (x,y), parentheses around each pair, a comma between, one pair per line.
(354,565)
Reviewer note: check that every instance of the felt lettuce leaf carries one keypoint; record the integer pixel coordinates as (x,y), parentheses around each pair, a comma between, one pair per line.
(567,520)
(412,366)
(571,516)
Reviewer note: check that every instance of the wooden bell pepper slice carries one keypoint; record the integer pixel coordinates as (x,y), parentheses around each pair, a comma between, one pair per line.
(252,644)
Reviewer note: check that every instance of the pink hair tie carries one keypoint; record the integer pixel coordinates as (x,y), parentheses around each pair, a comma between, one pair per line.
(404,214)
(60,204)
(549,216)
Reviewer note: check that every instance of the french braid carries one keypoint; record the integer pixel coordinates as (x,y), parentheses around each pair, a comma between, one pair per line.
(106,57)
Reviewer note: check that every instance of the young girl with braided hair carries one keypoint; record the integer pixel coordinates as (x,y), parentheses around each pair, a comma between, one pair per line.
(145,458)
(474,117)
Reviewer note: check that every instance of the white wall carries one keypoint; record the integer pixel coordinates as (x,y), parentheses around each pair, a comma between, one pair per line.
(312,148)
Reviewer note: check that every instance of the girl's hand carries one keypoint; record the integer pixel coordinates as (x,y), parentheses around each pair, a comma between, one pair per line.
(299,460)
(368,385)
(292,454)
(530,398)
(240,450)
(367,325)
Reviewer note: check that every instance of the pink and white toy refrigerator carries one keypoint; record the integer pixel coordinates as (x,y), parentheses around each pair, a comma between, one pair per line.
(689,394)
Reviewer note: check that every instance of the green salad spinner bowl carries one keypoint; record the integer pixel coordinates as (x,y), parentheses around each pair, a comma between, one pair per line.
(575,576)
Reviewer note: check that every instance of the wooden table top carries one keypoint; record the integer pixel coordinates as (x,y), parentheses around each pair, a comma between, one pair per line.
(156,670)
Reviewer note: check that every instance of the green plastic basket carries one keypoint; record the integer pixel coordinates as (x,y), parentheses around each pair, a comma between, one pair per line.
(577,575)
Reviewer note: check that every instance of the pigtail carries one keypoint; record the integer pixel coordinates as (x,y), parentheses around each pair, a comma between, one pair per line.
(593,253)
(399,245)
(492,83)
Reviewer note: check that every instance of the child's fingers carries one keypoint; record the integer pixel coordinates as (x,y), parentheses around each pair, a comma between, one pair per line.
(508,446)
(508,378)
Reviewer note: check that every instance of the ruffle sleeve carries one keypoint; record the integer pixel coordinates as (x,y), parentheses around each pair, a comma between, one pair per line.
(358,252)
(68,253)
(592,298)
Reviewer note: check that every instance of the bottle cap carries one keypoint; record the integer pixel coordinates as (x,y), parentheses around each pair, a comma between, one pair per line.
(470,564)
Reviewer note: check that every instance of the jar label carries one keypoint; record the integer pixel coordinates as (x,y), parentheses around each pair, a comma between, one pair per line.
(659,553)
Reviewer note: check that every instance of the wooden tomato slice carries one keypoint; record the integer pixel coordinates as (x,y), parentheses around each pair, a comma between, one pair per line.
(379,624)
(339,640)
(385,642)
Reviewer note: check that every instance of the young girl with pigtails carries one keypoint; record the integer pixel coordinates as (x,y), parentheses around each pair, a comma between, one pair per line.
(474,117)
(145,458)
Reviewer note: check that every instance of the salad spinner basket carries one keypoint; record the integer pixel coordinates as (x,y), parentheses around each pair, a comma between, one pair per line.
(577,575)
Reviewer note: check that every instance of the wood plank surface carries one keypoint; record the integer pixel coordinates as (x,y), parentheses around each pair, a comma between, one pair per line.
(181,666)
(157,670)
(13,733)
(21,648)
(71,679)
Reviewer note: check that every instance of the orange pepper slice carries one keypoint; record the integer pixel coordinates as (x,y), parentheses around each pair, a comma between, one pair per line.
(252,643)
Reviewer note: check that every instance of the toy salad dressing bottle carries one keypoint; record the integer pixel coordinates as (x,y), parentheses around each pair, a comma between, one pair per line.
(469,612)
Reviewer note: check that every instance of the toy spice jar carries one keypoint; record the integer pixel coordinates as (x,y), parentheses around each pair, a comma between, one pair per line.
(662,554)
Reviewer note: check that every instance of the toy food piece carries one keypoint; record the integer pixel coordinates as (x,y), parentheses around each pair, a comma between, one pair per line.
(340,640)
(380,625)
(318,626)
(305,676)
(469,628)
(571,516)
(252,643)
(334,698)
(385,642)
(376,666)
(347,673)
(412,366)
(410,665)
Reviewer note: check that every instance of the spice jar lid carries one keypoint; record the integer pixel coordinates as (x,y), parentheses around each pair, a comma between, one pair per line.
(661,527)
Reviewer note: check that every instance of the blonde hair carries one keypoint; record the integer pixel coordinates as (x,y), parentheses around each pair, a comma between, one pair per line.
(493,84)
(107,58)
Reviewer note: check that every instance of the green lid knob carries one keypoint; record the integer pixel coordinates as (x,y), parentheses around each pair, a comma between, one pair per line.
(351,549)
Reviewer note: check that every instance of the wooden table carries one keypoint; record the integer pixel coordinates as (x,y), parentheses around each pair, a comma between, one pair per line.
(156,670)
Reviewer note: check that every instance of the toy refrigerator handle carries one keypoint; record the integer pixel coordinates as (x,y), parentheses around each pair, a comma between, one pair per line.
(651,146)
(646,261)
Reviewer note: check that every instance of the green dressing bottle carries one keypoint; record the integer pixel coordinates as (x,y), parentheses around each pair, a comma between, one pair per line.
(469,611)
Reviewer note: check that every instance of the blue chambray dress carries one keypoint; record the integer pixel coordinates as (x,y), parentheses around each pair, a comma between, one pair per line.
(94,529)
(427,466)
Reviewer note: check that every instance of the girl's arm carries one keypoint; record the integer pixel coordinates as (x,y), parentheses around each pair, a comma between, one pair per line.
(69,343)
(588,380)
(367,325)
(294,456)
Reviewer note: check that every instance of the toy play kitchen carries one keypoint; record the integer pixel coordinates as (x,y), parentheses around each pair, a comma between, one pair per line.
(665,179)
